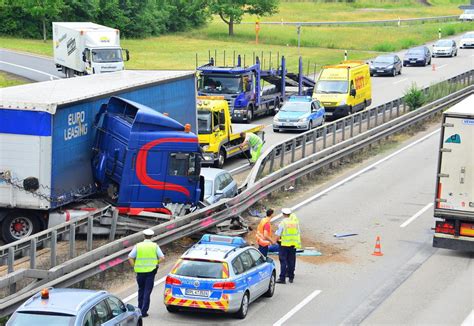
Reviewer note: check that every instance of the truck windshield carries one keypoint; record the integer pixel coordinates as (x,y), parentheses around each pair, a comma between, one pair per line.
(332,86)
(204,122)
(107,55)
(184,165)
(218,84)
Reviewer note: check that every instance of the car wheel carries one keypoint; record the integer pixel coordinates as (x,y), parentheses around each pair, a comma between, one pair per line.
(18,225)
(323,120)
(220,159)
(244,307)
(172,309)
(271,287)
(404,64)
(429,62)
(310,125)
(456,53)
(276,130)
(140,322)
(394,72)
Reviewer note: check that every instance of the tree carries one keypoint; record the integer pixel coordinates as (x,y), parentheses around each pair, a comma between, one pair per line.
(80,11)
(231,11)
(44,10)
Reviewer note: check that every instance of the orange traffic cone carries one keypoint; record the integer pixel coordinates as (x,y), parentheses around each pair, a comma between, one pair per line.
(433,67)
(378,248)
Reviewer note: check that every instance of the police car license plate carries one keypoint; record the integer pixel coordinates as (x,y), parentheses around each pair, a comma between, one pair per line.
(197,293)
(288,124)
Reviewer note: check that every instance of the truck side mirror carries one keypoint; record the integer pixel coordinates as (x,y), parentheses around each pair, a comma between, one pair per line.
(353,92)
(222,127)
(127,55)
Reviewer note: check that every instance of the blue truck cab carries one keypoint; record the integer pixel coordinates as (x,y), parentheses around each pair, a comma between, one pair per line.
(144,159)
(219,273)
(243,89)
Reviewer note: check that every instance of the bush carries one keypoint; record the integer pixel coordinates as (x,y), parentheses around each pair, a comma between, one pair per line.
(414,97)
(384,47)
(407,43)
(448,30)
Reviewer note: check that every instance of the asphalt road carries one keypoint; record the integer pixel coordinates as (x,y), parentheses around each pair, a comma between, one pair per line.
(32,67)
(412,283)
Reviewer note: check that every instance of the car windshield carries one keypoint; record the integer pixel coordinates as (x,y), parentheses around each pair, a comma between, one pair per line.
(296,107)
(332,86)
(468,35)
(416,51)
(204,122)
(207,188)
(107,55)
(218,84)
(384,59)
(29,318)
(199,268)
(469,12)
(444,43)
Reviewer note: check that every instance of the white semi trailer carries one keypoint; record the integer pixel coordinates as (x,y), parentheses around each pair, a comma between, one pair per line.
(454,202)
(86,48)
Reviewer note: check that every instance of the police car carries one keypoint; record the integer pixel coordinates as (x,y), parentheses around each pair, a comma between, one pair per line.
(75,307)
(299,113)
(219,273)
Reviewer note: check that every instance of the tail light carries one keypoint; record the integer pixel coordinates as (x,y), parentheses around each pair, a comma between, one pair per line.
(172,281)
(224,286)
(444,227)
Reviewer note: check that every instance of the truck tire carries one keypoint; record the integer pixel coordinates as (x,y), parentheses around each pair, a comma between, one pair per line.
(276,106)
(69,73)
(19,224)
(220,159)
(249,114)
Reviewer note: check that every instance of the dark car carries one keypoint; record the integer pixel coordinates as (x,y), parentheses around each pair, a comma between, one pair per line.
(418,56)
(387,64)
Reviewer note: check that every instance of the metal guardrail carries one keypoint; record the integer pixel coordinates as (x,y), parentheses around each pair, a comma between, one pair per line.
(115,253)
(362,22)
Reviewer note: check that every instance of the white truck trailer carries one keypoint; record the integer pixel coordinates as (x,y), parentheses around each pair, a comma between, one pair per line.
(454,201)
(86,48)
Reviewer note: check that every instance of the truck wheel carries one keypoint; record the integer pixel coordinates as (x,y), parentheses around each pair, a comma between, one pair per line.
(220,159)
(276,106)
(249,114)
(69,73)
(19,225)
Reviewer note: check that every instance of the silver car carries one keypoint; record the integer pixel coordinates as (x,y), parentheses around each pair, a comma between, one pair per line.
(445,48)
(218,184)
(75,307)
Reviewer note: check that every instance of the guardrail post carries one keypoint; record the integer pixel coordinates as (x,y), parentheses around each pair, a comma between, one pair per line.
(89,233)
(33,253)
(344,129)
(361,115)
(376,116)
(303,146)
(272,160)
(282,156)
(293,149)
(352,126)
(113,227)
(315,137)
(11,268)
(325,133)
(369,114)
(54,242)
(334,125)
(72,241)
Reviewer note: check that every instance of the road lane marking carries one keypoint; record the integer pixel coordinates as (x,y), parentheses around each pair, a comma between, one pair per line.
(297,307)
(442,66)
(469,321)
(367,168)
(421,211)
(134,295)
(401,80)
(31,69)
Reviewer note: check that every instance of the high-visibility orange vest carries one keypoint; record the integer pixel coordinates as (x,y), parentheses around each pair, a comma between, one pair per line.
(260,232)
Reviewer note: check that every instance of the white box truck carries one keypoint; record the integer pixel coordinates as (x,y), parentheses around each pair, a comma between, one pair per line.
(454,201)
(87,48)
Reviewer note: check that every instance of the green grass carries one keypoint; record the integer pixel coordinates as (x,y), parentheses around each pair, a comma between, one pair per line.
(319,45)
(7,80)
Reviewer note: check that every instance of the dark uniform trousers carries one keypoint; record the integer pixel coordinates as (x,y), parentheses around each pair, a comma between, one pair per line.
(287,256)
(145,283)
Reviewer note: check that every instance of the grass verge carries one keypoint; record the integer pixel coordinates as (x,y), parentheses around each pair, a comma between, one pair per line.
(7,80)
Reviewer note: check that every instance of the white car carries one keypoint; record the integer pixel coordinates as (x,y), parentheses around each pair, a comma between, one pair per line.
(445,48)
(467,15)
(467,40)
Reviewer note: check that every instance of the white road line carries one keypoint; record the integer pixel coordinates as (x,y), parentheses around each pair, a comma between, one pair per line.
(297,307)
(469,321)
(442,66)
(31,69)
(400,81)
(239,168)
(270,125)
(421,211)
(367,168)
(134,295)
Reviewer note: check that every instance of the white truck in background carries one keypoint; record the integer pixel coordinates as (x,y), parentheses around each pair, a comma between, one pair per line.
(86,48)
(454,201)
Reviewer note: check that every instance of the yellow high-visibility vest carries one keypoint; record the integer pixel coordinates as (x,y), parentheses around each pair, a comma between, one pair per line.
(291,232)
(147,259)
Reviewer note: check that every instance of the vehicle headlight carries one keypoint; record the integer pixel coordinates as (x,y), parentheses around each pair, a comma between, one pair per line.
(205,147)
(304,119)
(390,67)
(343,102)
(275,119)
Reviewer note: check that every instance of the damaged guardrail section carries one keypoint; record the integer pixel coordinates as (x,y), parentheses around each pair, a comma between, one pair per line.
(114,253)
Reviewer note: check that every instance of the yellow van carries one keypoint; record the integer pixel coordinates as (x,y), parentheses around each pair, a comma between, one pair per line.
(344,88)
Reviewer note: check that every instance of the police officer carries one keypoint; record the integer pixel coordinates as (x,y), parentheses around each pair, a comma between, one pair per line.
(264,233)
(288,234)
(255,143)
(145,258)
